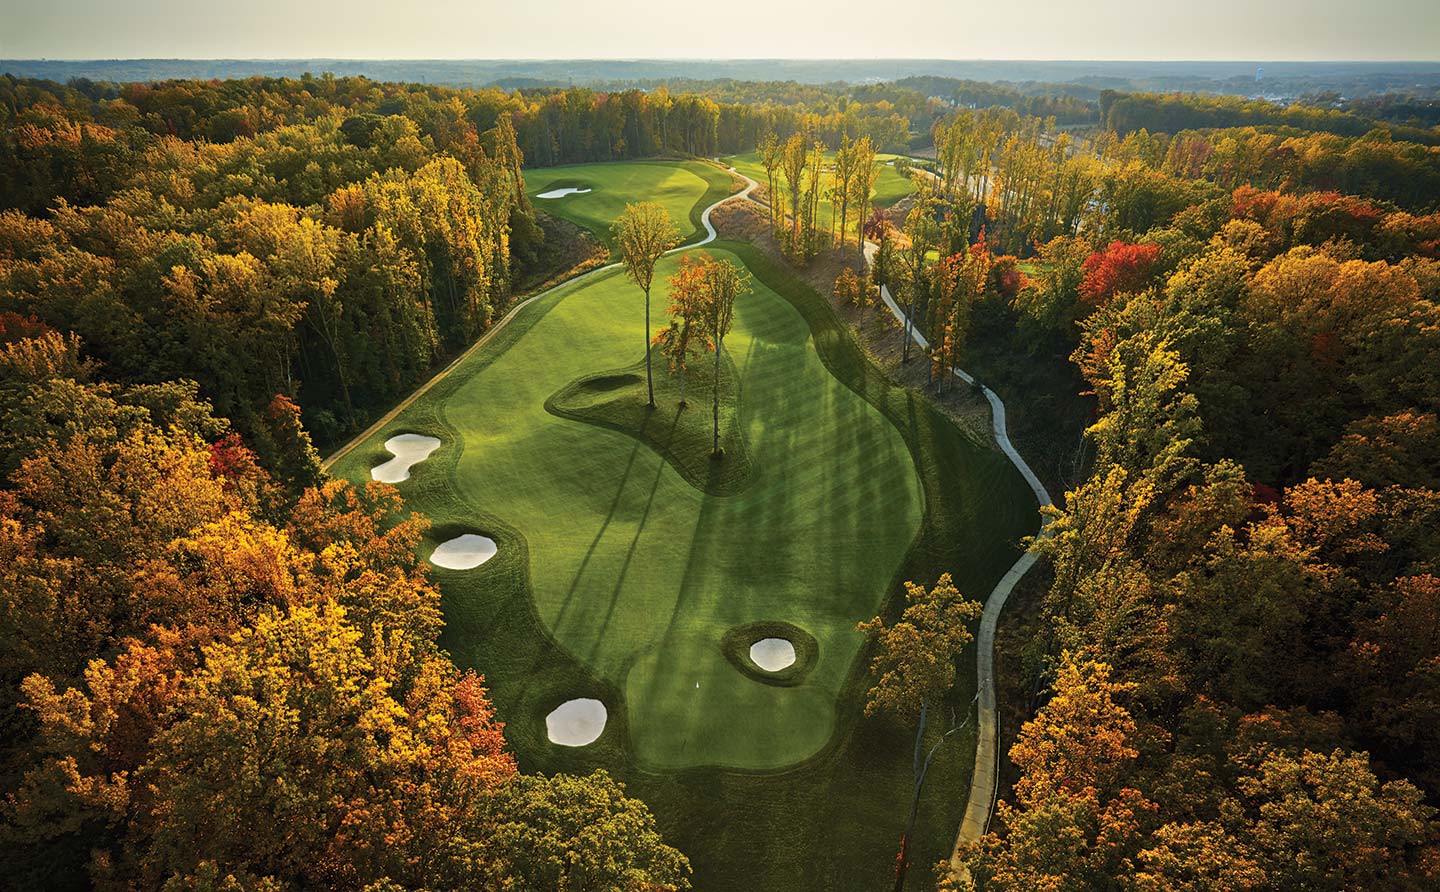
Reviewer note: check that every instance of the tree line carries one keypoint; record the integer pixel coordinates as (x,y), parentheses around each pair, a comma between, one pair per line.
(800,172)
(82,141)
(333,261)
(1125,113)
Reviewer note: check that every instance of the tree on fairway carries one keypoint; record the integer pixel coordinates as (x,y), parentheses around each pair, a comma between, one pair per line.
(643,234)
(913,666)
(723,282)
(685,336)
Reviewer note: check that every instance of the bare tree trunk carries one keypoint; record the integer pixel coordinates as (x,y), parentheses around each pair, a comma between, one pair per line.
(649,382)
(715,448)
(918,774)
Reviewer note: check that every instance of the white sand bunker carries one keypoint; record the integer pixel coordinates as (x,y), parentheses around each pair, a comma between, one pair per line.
(576,722)
(561,193)
(773,654)
(463,552)
(409,450)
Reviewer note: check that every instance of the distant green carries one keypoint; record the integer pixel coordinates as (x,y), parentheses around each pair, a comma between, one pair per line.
(890,186)
(683,188)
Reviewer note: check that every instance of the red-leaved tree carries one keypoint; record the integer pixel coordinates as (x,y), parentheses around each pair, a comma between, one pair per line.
(1121,267)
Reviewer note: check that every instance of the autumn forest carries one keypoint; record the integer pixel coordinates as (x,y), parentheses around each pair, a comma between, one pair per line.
(782,389)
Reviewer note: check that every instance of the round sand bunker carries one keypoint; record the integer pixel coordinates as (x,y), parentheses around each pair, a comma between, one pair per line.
(561,193)
(576,722)
(463,552)
(409,450)
(773,654)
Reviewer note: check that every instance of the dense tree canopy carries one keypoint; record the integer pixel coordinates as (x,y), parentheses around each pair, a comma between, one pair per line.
(211,680)
(220,669)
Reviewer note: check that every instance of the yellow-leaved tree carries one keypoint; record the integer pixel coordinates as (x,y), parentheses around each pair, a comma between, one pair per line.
(643,233)
(913,665)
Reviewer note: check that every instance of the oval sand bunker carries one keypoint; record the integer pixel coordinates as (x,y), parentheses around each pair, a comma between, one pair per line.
(561,193)
(576,722)
(773,654)
(463,552)
(409,450)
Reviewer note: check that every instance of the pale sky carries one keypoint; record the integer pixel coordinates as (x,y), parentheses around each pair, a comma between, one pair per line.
(1272,30)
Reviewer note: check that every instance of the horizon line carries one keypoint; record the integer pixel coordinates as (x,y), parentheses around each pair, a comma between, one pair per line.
(1435,61)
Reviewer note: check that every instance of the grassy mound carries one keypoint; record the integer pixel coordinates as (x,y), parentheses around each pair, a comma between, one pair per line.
(682,436)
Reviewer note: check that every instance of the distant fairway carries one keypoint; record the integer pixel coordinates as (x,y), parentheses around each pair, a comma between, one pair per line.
(890,186)
(682,188)
(618,579)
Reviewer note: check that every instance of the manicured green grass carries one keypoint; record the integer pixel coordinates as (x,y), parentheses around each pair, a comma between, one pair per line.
(640,573)
(684,188)
(890,186)
(683,435)
(618,578)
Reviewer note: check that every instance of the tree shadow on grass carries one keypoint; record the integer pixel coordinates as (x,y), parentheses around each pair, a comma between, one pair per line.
(629,557)
(599,534)
(617,400)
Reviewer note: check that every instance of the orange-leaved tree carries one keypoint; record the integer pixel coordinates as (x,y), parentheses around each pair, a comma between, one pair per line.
(685,336)
(1074,818)
(1121,268)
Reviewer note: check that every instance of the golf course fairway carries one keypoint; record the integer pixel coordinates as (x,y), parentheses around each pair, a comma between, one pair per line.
(683,188)
(617,579)
(640,574)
